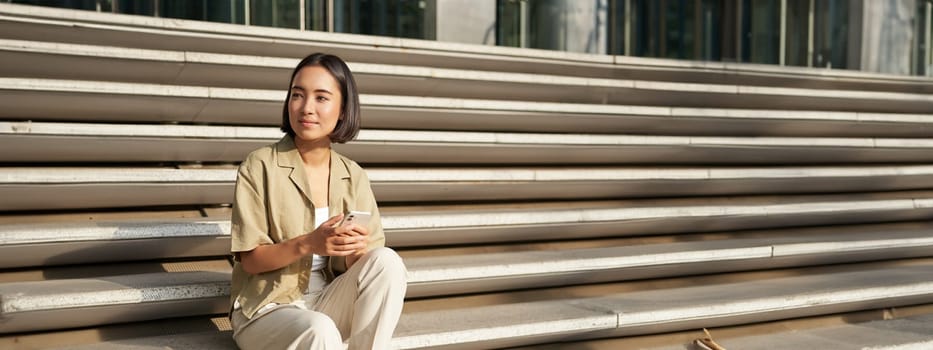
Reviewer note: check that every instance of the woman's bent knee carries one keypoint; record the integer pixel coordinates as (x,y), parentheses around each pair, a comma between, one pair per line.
(320,332)
(290,328)
(388,262)
(315,321)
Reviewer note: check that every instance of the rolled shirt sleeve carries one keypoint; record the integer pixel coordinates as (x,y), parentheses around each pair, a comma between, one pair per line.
(249,226)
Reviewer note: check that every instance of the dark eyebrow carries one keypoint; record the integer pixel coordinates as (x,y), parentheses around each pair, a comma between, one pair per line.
(299,87)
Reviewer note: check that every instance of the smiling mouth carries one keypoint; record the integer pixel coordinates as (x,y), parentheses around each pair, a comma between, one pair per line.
(308,122)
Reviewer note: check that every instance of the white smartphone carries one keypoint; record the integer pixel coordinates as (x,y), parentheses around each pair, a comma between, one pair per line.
(360,218)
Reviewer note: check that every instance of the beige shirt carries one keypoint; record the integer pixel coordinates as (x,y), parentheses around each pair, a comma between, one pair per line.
(272,204)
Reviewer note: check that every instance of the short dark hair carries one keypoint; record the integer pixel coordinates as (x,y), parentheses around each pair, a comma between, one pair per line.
(349,124)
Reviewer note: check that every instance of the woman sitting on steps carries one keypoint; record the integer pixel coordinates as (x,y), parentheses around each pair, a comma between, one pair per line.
(300,280)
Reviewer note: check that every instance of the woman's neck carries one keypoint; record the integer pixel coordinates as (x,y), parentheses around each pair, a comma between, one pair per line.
(314,153)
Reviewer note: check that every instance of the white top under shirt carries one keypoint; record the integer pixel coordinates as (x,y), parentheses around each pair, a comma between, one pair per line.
(320,216)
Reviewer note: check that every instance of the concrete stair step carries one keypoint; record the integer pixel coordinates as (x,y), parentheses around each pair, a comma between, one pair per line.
(55,304)
(908,333)
(138,297)
(432,113)
(217,327)
(31,244)
(465,273)
(417,113)
(196,340)
(563,292)
(110,101)
(473,273)
(88,242)
(208,104)
(123,64)
(47,188)
(665,310)
(901,333)
(91,142)
(207,340)
(202,68)
(441,225)
(90,270)
(380,146)
(85,27)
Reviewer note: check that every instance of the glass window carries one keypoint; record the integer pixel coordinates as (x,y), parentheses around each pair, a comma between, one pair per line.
(547,22)
(710,33)
(831,33)
(398,18)
(798,33)
(509,23)
(682,29)
(617,27)
(133,7)
(566,25)
(680,34)
(922,40)
(71,4)
(646,33)
(761,31)
(929,38)
(275,13)
(316,15)
(203,10)
(730,31)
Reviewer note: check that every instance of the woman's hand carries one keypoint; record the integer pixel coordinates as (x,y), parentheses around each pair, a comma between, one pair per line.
(328,240)
(358,231)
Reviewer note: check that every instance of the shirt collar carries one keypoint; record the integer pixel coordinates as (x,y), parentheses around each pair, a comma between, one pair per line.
(287,156)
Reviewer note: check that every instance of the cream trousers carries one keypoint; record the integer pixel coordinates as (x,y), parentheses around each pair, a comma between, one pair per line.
(358,310)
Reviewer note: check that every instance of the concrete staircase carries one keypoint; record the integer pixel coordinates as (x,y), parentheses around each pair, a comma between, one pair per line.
(536,196)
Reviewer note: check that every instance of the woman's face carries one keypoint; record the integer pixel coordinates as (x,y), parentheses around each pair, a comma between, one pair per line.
(314,104)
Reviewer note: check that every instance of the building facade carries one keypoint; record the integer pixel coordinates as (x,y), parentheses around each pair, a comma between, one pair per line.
(886,36)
